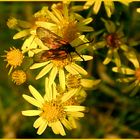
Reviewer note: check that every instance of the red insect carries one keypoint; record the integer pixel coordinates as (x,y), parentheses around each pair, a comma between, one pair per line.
(59,48)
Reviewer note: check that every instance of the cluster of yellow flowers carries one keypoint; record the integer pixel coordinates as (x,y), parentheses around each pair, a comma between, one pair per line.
(54,39)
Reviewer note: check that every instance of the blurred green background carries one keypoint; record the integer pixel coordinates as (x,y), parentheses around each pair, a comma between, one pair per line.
(111,113)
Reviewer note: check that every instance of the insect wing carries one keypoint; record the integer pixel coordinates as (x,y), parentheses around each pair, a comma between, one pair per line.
(50,55)
(49,38)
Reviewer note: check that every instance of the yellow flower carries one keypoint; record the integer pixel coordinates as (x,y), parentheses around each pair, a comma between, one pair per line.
(27,30)
(67,24)
(14,58)
(57,66)
(108,4)
(60,21)
(42,13)
(12,23)
(114,40)
(51,109)
(18,77)
(76,81)
(132,75)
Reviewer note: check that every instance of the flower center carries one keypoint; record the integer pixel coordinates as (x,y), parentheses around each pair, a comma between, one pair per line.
(60,63)
(69,30)
(53,111)
(73,81)
(14,57)
(137,74)
(18,77)
(12,23)
(112,40)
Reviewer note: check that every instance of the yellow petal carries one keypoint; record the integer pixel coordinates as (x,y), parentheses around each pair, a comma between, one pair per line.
(126,71)
(67,124)
(62,79)
(65,9)
(52,75)
(78,41)
(58,14)
(110,26)
(38,122)
(86,21)
(44,71)
(97,6)
(40,44)
(132,57)
(54,92)
(117,58)
(42,127)
(69,94)
(79,69)
(87,83)
(54,128)
(74,108)
(85,28)
(76,114)
(30,53)
(73,122)
(85,57)
(21,34)
(31,112)
(38,65)
(108,57)
(71,69)
(46,25)
(26,45)
(36,94)
(129,79)
(109,7)
(53,17)
(124,47)
(32,101)
(88,4)
(99,45)
(48,90)
(60,128)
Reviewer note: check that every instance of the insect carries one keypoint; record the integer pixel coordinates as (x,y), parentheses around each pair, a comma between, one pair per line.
(59,48)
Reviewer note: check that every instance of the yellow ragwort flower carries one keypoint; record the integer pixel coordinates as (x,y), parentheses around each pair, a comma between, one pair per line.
(67,24)
(131,75)
(108,4)
(115,40)
(14,58)
(18,77)
(27,30)
(51,110)
(12,23)
(56,66)
(76,81)
(61,22)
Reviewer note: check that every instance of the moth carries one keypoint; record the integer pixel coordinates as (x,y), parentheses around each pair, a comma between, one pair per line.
(58,48)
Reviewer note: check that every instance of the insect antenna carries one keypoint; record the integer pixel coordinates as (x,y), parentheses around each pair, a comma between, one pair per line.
(79,55)
(80,45)
(84,43)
